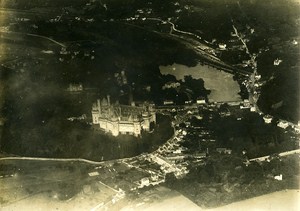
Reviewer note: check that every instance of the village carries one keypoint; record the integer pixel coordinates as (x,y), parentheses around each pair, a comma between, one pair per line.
(176,156)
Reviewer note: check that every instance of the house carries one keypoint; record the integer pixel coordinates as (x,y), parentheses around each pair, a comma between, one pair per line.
(94,173)
(245,104)
(189,112)
(145,181)
(257,77)
(277,62)
(296,128)
(294,42)
(199,155)
(180,150)
(268,119)
(201,101)
(168,102)
(233,103)
(187,123)
(282,124)
(225,113)
(278,177)
(174,157)
(222,46)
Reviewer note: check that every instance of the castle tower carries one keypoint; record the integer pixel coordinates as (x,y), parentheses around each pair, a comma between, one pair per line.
(130,96)
(109,106)
(152,113)
(146,123)
(115,126)
(99,105)
(95,114)
(136,128)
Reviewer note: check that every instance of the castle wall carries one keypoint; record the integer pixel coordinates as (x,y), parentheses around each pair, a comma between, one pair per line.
(126,128)
(109,126)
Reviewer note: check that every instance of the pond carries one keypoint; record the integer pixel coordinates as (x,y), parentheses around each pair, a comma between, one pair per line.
(223,87)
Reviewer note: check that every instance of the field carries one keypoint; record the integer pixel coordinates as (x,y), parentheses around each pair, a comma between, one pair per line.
(277,201)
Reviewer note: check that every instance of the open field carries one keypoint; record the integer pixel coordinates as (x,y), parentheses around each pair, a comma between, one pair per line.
(160,198)
(282,200)
(50,185)
(83,201)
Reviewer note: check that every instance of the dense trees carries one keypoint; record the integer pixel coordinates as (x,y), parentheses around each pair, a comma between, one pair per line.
(65,139)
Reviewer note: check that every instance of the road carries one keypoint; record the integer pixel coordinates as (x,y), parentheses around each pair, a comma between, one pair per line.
(54,159)
(282,154)
(252,78)
(35,35)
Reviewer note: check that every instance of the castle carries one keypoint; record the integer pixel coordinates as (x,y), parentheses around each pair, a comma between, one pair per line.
(123,119)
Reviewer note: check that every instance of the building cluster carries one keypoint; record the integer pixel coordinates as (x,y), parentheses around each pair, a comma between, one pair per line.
(75,87)
(282,123)
(123,119)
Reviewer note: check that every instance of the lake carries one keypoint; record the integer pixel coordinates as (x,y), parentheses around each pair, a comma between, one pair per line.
(223,87)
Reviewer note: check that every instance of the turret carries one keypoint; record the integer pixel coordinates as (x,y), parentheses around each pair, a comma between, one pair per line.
(99,105)
(109,106)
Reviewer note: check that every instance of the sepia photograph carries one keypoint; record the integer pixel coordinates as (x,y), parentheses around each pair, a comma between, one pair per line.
(149,105)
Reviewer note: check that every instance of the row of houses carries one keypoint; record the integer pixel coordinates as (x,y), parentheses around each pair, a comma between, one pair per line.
(199,101)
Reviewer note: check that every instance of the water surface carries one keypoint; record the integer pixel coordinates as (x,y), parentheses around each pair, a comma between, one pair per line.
(223,87)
